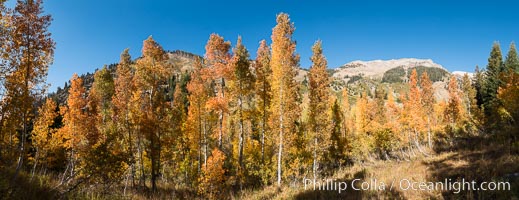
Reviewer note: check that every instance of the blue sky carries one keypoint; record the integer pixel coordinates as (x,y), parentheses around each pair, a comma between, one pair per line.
(455,34)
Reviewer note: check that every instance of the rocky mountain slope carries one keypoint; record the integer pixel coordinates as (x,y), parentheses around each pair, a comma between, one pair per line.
(370,73)
(462,73)
(375,69)
(180,58)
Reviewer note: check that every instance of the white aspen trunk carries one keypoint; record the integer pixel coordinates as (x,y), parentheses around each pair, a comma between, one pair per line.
(205,144)
(142,180)
(263,142)
(263,123)
(220,117)
(280,134)
(240,148)
(429,131)
(200,141)
(314,168)
(37,157)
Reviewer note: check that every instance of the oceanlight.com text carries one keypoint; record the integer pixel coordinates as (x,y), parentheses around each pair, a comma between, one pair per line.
(456,186)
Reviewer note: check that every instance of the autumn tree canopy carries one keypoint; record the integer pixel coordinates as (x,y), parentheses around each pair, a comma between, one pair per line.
(212,126)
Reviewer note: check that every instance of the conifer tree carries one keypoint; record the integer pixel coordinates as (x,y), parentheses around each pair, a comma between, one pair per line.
(337,145)
(508,95)
(492,79)
(512,60)
(478,86)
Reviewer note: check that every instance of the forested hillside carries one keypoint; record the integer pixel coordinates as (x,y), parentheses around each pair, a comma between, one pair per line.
(170,125)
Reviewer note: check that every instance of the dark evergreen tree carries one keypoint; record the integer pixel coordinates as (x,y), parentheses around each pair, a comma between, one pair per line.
(512,61)
(492,79)
(336,148)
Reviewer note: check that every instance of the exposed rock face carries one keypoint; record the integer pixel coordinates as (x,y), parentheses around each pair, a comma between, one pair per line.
(183,59)
(462,73)
(377,68)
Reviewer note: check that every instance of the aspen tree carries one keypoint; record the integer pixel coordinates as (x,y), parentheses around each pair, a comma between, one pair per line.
(318,120)
(197,116)
(217,59)
(428,102)
(243,84)
(30,53)
(151,74)
(123,88)
(44,131)
(263,74)
(284,108)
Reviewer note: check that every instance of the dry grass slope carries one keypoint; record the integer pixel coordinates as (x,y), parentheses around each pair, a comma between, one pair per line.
(466,160)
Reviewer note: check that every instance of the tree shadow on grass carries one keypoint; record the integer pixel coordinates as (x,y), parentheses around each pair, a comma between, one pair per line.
(23,187)
(476,159)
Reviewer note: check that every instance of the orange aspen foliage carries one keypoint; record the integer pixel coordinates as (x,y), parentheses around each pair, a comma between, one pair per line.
(509,95)
(44,137)
(392,112)
(428,102)
(217,58)
(414,109)
(453,112)
(318,119)
(75,130)
(212,181)
(361,114)
(28,50)
(284,108)
(121,100)
(151,73)
(196,128)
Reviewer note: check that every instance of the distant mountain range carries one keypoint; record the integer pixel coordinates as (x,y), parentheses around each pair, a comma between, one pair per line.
(395,70)
(388,71)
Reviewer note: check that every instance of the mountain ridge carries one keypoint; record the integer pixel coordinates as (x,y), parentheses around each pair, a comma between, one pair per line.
(345,74)
(377,68)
